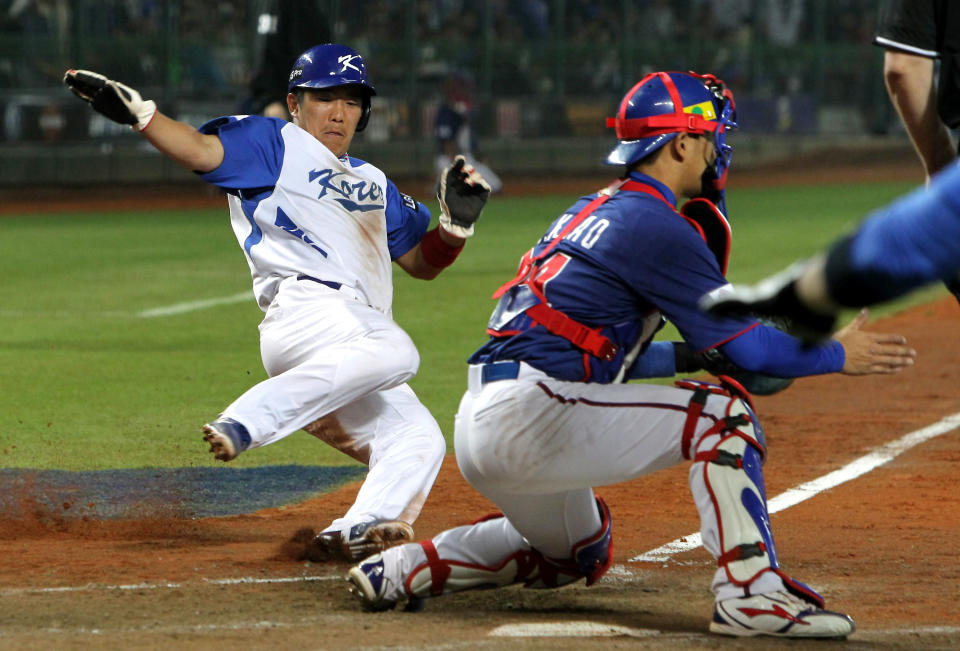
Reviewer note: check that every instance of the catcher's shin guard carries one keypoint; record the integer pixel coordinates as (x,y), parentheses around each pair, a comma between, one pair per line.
(589,559)
(727,481)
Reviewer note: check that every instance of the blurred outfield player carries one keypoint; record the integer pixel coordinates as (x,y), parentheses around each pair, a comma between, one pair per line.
(319,229)
(548,416)
(454,131)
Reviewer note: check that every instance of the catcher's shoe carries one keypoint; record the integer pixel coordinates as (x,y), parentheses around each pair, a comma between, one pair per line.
(227,438)
(360,541)
(779,614)
(377,588)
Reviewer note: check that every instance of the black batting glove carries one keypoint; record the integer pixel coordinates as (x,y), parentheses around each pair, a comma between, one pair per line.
(110,98)
(463,193)
(773,297)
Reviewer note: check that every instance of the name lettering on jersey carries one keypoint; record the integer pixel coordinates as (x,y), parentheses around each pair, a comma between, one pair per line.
(587,232)
(358,196)
(593,233)
(554,232)
(285,223)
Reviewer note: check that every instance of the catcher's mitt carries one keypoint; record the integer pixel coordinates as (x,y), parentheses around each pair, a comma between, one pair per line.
(713,361)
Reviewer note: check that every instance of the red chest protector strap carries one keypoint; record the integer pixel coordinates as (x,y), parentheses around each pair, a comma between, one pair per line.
(555,321)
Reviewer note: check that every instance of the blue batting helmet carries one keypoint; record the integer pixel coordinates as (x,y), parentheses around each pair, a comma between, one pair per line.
(329,65)
(663,104)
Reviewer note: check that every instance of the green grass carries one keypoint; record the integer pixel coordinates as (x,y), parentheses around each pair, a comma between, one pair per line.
(86,384)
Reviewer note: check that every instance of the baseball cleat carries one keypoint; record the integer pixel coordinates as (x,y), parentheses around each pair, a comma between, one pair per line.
(227,438)
(779,614)
(369,585)
(361,541)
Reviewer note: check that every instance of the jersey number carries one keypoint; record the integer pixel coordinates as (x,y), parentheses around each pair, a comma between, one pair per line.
(548,271)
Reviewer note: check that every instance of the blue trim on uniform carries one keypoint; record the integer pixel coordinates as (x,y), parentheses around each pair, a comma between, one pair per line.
(256,235)
(328,283)
(247,140)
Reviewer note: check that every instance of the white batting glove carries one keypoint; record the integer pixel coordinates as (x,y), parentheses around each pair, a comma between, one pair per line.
(110,98)
(463,194)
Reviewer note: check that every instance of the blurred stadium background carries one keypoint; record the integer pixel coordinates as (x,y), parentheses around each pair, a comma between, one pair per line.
(547,73)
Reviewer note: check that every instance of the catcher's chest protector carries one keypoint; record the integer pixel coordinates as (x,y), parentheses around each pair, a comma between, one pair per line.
(531,300)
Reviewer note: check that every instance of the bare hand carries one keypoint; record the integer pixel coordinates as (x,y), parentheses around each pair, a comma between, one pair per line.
(872,352)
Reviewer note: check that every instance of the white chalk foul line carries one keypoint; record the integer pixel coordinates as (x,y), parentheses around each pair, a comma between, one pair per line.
(794,496)
(190,306)
(569,629)
(89,587)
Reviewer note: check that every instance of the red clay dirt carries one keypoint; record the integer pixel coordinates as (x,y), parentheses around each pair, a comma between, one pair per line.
(884,547)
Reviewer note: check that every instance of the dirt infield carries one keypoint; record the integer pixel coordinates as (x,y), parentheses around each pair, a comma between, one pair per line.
(883,547)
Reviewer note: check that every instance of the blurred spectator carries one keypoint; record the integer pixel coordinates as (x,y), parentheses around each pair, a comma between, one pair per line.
(210,44)
(533,16)
(51,123)
(452,129)
(43,26)
(285,28)
(782,20)
(726,26)
(778,74)
(657,20)
(36,16)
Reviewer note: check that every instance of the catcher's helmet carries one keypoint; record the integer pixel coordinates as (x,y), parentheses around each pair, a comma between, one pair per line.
(329,65)
(663,104)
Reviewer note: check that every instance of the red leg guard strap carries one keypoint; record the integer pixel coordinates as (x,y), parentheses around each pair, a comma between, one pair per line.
(697,401)
(741,551)
(439,571)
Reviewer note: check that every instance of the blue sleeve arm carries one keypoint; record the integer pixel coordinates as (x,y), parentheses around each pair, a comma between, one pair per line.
(658,360)
(911,242)
(407,221)
(253,151)
(767,350)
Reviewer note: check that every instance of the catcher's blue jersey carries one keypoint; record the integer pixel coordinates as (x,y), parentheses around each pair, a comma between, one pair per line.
(636,259)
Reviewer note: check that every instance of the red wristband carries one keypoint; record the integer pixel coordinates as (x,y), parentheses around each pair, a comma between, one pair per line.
(436,252)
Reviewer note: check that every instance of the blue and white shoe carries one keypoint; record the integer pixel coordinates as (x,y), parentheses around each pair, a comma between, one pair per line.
(370,584)
(778,614)
(227,438)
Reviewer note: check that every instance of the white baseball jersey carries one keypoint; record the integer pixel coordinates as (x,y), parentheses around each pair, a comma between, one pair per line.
(298,209)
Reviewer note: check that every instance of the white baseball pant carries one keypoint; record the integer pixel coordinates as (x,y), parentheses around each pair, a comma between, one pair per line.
(537,446)
(330,355)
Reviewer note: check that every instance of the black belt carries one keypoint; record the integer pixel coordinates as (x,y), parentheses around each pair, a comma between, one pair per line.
(328,283)
(499,371)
